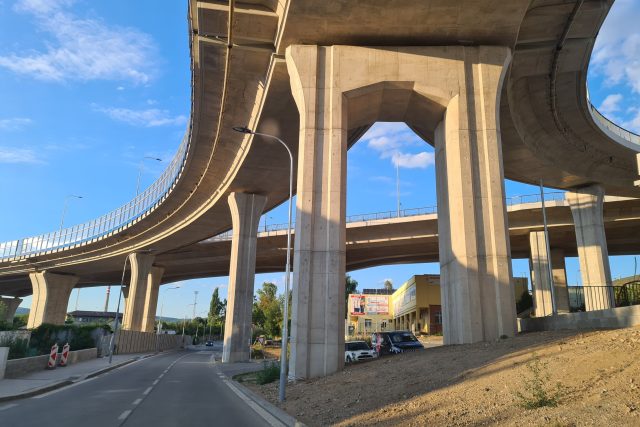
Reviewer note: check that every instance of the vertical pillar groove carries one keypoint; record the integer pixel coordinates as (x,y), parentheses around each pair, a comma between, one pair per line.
(475,258)
(245,214)
(134,309)
(586,207)
(317,324)
(50,297)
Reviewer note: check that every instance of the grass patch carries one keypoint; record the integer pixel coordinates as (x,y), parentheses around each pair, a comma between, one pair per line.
(269,373)
(538,392)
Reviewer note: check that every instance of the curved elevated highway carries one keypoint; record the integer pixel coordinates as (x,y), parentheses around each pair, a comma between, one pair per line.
(526,60)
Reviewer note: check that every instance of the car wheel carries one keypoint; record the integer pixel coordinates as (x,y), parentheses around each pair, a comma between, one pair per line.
(349,359)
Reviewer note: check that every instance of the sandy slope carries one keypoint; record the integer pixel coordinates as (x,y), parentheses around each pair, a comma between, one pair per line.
(475,384)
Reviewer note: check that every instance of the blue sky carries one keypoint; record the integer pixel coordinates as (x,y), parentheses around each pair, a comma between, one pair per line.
(89,89)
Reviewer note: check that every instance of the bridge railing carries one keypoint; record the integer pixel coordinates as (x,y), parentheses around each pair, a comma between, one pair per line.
(267,230)
(610,126)
(102,226)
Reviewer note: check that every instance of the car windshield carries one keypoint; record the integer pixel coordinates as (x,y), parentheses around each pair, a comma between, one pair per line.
(403,337)
(358,345)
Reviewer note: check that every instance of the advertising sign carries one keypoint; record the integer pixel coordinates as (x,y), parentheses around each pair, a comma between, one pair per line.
(377,304)
(357,305)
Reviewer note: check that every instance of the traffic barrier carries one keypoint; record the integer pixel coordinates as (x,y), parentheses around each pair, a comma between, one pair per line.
(53,355)
(65,355)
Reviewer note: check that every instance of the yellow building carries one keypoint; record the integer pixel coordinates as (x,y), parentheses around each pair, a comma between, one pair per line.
(415,307)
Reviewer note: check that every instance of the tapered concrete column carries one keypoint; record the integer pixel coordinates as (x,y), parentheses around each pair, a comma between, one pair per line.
(151,298)
(317,323)
(559,272)
(11,305)
(539,263)
(586,208)
(50,297)
(134,309)
(245,215)
(475,258)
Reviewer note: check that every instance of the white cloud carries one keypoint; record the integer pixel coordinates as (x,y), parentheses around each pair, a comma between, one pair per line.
(84,49)
(18,155)
(617,50)
(148,118)
(411,161)
(611,104)
(14,123)
(634,123)
(388,139)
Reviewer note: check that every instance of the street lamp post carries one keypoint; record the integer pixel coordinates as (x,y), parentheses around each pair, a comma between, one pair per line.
(285,332)
(162,309)
(64,209)
(140,171)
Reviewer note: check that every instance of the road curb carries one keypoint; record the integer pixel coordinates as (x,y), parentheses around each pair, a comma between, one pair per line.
(277,413)
(66,382)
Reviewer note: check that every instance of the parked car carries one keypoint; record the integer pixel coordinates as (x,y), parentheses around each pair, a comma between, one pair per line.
(209,344)
(394,342)
(355,351)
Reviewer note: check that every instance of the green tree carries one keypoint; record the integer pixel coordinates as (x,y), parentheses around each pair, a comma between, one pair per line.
(215,307)
(350,287)
(268,309)
(388,284)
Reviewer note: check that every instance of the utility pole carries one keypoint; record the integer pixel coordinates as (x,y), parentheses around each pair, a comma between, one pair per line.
(195,302)
(398,184)
(106,301)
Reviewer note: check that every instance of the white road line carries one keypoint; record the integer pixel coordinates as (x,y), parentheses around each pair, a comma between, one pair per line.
(135,402)
(49,393)
(155,382)
(10,405)
(273,421)
(147,391)
(124,415)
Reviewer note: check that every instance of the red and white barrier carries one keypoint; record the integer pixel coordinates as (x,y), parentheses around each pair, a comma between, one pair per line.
(65,355)
(53,355)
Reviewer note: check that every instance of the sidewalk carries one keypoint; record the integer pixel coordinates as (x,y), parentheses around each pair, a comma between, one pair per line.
(46,380)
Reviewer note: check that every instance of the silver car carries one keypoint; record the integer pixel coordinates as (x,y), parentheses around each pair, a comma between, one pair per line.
(355,351)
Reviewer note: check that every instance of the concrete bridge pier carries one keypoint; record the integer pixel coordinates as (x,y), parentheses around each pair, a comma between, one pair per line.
(137,295)
(475,258)
(245,215)
(51,293)
(11,305)
(151,298)
(586,208)
(539,263)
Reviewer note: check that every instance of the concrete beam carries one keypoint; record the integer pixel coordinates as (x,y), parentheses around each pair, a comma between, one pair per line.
(245,214)
(136,298)
(50,297)
(586,208)
(11,305)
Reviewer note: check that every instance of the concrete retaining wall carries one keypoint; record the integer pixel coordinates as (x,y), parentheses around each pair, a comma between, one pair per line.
(621,317)
(17,368)
(22,334)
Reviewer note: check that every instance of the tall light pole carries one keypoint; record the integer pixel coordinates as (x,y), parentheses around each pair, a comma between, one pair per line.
(162,309)
(554,310)
(285,332)
(195,302)
(64,208)
(398,184)
(140,171)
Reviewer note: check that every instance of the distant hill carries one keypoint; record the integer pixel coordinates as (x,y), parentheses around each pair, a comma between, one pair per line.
(22,310)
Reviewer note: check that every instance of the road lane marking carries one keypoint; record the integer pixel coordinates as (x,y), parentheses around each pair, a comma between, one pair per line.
(147,391)
(270,419)
(10,405)
(124,415)
(135,402)
(49,393)
(154,383)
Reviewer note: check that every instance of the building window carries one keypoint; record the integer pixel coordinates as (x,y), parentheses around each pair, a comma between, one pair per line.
(367,323)
(383,324)
(437,317)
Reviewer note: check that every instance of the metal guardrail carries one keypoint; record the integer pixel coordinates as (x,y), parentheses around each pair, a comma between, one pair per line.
(610,126)
(106,224)
(403,213)
(621,296)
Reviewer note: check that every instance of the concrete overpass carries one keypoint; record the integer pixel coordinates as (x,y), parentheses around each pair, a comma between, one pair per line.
(499,89)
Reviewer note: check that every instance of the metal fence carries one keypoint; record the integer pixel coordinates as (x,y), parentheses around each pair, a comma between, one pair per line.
(603,296)
(106,224)
(607,124)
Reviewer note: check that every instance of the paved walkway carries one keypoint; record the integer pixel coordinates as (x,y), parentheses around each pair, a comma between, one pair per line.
(45,380)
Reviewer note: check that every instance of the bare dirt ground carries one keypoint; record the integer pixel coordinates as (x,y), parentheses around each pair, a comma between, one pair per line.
(598,372)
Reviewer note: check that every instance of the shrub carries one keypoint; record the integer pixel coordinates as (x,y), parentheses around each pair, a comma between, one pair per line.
(18,348)
(538,393)
(269,373)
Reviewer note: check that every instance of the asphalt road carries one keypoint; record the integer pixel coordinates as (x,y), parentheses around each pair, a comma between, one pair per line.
(172,389)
